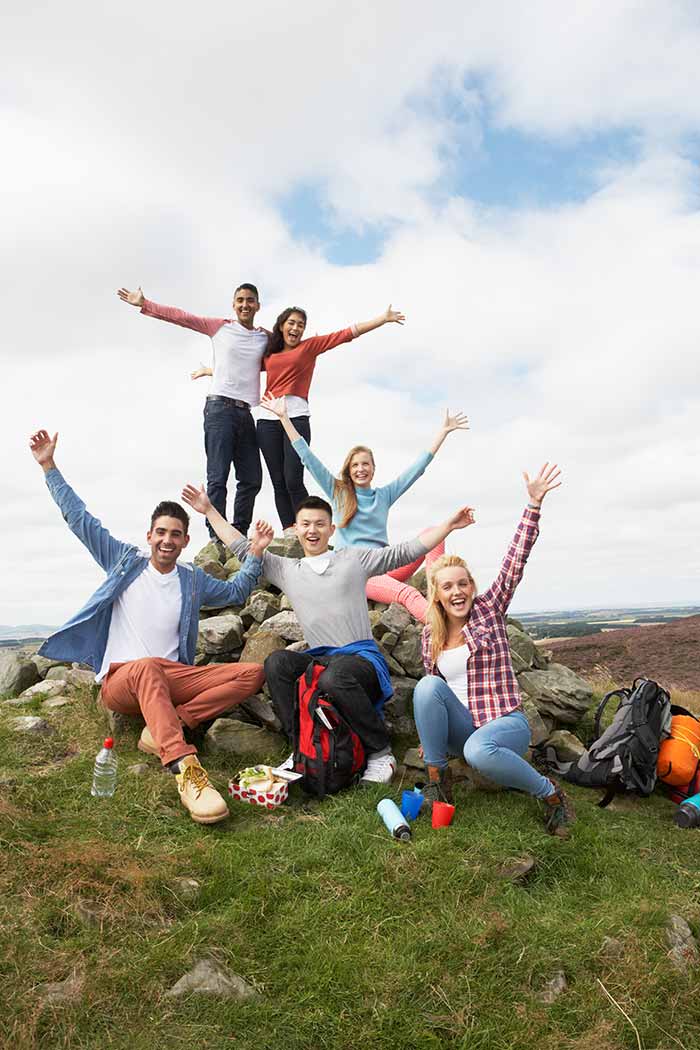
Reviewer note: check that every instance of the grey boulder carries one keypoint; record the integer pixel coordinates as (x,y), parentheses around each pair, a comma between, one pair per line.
(17,673)
(209,978)
(558,692)
(220,634)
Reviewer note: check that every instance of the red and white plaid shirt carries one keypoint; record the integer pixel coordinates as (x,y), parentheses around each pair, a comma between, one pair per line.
(492,688)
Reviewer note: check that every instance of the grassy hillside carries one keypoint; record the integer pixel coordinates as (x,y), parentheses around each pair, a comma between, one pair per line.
(352,940)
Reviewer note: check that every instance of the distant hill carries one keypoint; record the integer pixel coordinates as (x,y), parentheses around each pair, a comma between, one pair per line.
(668,653)
(25,630)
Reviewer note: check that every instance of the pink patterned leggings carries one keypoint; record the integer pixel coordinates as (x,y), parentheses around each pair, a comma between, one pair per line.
(392,586)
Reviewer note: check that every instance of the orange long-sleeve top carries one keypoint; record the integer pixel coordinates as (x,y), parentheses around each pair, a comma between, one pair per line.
(291,371)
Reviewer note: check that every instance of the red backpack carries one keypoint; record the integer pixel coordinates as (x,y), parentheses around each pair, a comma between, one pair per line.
(327,751)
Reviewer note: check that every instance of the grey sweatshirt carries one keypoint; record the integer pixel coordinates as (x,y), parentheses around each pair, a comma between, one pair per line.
(332,607)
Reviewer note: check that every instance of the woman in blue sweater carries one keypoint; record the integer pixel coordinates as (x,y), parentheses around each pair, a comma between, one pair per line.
(361,511)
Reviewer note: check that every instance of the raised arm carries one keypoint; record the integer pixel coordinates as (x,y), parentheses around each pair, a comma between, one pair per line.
(105,549)
(456,422)
(501,591)
(388,317)
(204,325)
(220,593)
(313,464)
(379,560)
(237,543)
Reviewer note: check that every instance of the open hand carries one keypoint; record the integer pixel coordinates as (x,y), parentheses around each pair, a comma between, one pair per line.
(545,481)
(261,538)
(43,447)
(136,298)
(199,372)
(197,499)
(462,518)
(276,405)
(456,422)
(393,316)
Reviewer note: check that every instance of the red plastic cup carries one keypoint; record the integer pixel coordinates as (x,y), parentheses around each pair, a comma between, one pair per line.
(443,813)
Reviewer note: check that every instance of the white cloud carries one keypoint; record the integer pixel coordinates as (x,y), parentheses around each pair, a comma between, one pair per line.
(145,145)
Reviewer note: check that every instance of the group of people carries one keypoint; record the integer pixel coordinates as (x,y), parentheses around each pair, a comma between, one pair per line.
(139,630)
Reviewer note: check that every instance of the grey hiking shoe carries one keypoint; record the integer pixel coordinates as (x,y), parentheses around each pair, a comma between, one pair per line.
(439,785)
(558,813)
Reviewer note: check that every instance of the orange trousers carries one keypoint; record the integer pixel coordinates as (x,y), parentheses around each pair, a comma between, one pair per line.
(169,694)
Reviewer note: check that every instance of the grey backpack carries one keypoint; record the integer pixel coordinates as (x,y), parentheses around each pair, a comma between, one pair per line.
(624,757)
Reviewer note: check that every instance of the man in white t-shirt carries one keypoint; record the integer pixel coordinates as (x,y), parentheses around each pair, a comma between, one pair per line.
(139,632)
(229,429)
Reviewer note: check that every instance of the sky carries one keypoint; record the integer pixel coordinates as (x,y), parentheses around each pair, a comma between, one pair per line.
(520,180)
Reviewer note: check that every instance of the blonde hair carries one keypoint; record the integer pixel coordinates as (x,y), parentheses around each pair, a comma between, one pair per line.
(344,490)
(435,616)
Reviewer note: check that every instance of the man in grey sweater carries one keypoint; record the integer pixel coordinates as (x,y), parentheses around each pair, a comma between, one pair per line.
(327,592)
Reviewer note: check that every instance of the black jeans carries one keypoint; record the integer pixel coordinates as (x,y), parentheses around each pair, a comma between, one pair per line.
(284,466)
(229,437)
(351,683)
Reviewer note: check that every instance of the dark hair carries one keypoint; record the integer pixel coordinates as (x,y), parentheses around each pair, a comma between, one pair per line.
(275,341)
(168,509)
(314,503)
(247,288)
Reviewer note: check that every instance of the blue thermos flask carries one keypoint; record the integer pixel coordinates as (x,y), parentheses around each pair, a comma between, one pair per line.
(394,820)
(688,813)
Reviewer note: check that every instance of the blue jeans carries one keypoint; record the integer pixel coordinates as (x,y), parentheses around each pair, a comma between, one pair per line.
(229,438)
(285,468)
(445,726)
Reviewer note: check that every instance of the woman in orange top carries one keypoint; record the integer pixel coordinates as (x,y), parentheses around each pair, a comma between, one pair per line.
(290,361)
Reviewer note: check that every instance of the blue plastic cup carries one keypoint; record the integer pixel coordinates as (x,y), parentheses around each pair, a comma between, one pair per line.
(411,802)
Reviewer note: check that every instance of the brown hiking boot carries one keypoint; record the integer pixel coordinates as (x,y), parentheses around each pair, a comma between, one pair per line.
(197,795)
(558,813)
(439,786)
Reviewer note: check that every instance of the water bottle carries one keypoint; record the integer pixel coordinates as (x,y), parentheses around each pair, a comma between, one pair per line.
(394,820)
(688,813)
(104,779)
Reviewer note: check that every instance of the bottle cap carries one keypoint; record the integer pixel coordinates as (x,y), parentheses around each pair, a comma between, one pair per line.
(109,742)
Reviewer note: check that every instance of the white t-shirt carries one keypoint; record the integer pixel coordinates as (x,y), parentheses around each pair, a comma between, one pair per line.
(238,353)
(452,664)
(296,406)
(145,620)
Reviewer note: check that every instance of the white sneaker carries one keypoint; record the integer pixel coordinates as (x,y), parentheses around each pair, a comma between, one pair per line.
(380,769)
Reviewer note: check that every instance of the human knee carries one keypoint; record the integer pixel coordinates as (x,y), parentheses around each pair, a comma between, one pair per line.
(425,695)
(479,753)
(274,664)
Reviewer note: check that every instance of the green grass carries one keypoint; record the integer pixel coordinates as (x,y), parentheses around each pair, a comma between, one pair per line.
(353,940)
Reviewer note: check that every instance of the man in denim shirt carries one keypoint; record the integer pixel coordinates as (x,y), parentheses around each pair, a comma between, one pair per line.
(139,632)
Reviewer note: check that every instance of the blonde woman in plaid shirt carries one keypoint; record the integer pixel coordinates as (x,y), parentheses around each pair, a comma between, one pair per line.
(469,703)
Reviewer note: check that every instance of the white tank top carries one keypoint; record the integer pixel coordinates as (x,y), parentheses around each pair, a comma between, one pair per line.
(452,664)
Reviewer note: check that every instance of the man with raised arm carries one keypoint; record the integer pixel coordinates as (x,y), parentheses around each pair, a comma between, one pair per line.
(139,631)
(327,592)
(229,429)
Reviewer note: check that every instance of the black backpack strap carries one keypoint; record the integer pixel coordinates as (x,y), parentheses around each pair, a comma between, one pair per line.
(614,788)
(622,693)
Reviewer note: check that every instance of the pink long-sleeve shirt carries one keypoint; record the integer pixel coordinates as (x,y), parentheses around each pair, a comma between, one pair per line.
(237,350)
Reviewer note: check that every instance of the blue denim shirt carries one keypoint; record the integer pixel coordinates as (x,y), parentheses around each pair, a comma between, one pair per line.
(83,638)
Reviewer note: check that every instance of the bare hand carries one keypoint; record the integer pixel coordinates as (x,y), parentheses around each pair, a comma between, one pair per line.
(545,481)
(43,447)
(456,422)
(136,298)
(199,372)
(462,518)
(393,316)
(197,499)
(263,534)
(276,405)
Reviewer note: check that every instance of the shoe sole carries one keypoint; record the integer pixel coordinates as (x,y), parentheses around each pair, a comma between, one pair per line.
(209,820)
